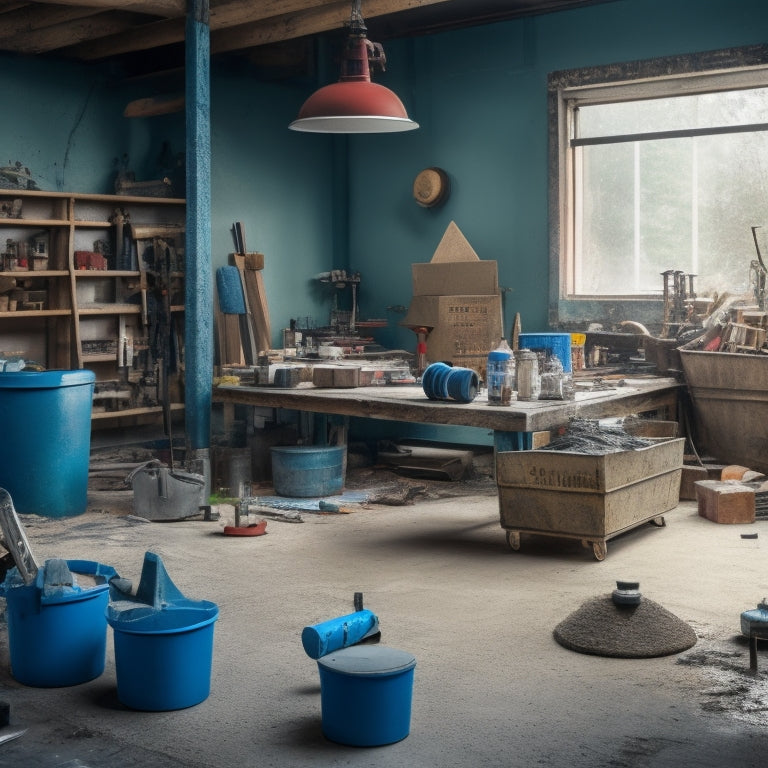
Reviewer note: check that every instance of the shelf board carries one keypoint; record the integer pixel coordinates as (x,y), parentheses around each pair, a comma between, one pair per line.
(40,223)
(91,197)
(134,411)
(105,358)
(83,223)
(104,273)
(129,199)
(36,273)
(109,309)
(37,313)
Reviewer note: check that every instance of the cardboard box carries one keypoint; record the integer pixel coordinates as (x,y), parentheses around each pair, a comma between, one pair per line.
(456,298)
(453,246)
(463,328)
(466,278)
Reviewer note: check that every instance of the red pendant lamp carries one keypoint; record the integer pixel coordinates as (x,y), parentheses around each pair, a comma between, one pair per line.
(354,104)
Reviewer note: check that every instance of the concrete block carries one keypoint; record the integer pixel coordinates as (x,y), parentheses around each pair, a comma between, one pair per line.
(338,376)
(725,501)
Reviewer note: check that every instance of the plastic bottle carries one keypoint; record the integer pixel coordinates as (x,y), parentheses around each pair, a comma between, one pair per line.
(500,374)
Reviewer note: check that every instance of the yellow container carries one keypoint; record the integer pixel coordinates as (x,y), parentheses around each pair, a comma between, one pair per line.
(578,340)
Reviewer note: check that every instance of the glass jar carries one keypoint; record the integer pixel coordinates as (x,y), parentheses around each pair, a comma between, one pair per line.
(552,380)
(528,379)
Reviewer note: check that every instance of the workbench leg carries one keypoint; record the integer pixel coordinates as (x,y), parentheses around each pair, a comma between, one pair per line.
(331,429)
(753,654)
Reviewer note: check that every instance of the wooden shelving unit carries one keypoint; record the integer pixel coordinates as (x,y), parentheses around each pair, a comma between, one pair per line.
(97,281)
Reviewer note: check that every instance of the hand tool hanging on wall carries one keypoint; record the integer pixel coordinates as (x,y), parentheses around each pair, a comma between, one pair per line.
(165,343)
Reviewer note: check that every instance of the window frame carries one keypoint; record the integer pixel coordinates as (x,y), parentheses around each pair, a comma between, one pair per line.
(676,75)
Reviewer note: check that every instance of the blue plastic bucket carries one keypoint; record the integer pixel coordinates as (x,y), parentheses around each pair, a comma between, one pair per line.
(57,638)
(366,693)
(45,450)
(308,470)
(558,344)
(163,657)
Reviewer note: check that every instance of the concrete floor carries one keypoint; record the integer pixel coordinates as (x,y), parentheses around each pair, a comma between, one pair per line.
(491,685)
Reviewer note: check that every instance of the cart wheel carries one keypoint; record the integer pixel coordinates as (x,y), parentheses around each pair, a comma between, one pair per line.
(513,540)
(599,550)
(660,522)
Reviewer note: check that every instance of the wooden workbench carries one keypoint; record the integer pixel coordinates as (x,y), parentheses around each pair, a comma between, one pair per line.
(512,425)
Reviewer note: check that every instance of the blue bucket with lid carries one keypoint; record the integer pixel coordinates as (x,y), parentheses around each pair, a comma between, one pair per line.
(57,632)
(163,643)
(366,693)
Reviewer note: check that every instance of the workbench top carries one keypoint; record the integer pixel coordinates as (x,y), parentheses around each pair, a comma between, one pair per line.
(621,397)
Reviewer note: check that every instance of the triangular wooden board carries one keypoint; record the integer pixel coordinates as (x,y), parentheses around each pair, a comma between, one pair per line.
(454,247)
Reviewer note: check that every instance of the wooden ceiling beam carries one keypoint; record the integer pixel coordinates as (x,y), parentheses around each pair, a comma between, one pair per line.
(168,8)
(240,24)
(31,18)
(311,21)
(61,35)
(224,14)
(231,13)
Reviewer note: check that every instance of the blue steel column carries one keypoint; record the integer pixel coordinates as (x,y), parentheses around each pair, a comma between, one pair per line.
(198,331)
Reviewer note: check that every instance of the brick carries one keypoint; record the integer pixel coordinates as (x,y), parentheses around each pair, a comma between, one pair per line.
(690,476)
(725,502)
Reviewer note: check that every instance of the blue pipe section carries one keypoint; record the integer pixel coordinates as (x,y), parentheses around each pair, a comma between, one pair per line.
(340,632)
(198,319)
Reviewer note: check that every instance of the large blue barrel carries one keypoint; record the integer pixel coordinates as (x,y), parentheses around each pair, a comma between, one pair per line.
(46,441)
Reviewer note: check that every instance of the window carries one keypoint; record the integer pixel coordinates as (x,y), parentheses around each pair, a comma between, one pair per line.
(656,166)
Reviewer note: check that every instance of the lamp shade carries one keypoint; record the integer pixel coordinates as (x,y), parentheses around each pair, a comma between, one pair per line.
(355,104)
(353,107)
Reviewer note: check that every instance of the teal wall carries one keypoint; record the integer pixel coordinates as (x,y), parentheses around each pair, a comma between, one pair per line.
(311,203)
(65,123)
(479,95)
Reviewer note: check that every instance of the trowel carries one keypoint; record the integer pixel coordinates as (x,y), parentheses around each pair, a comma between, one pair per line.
(13,538)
